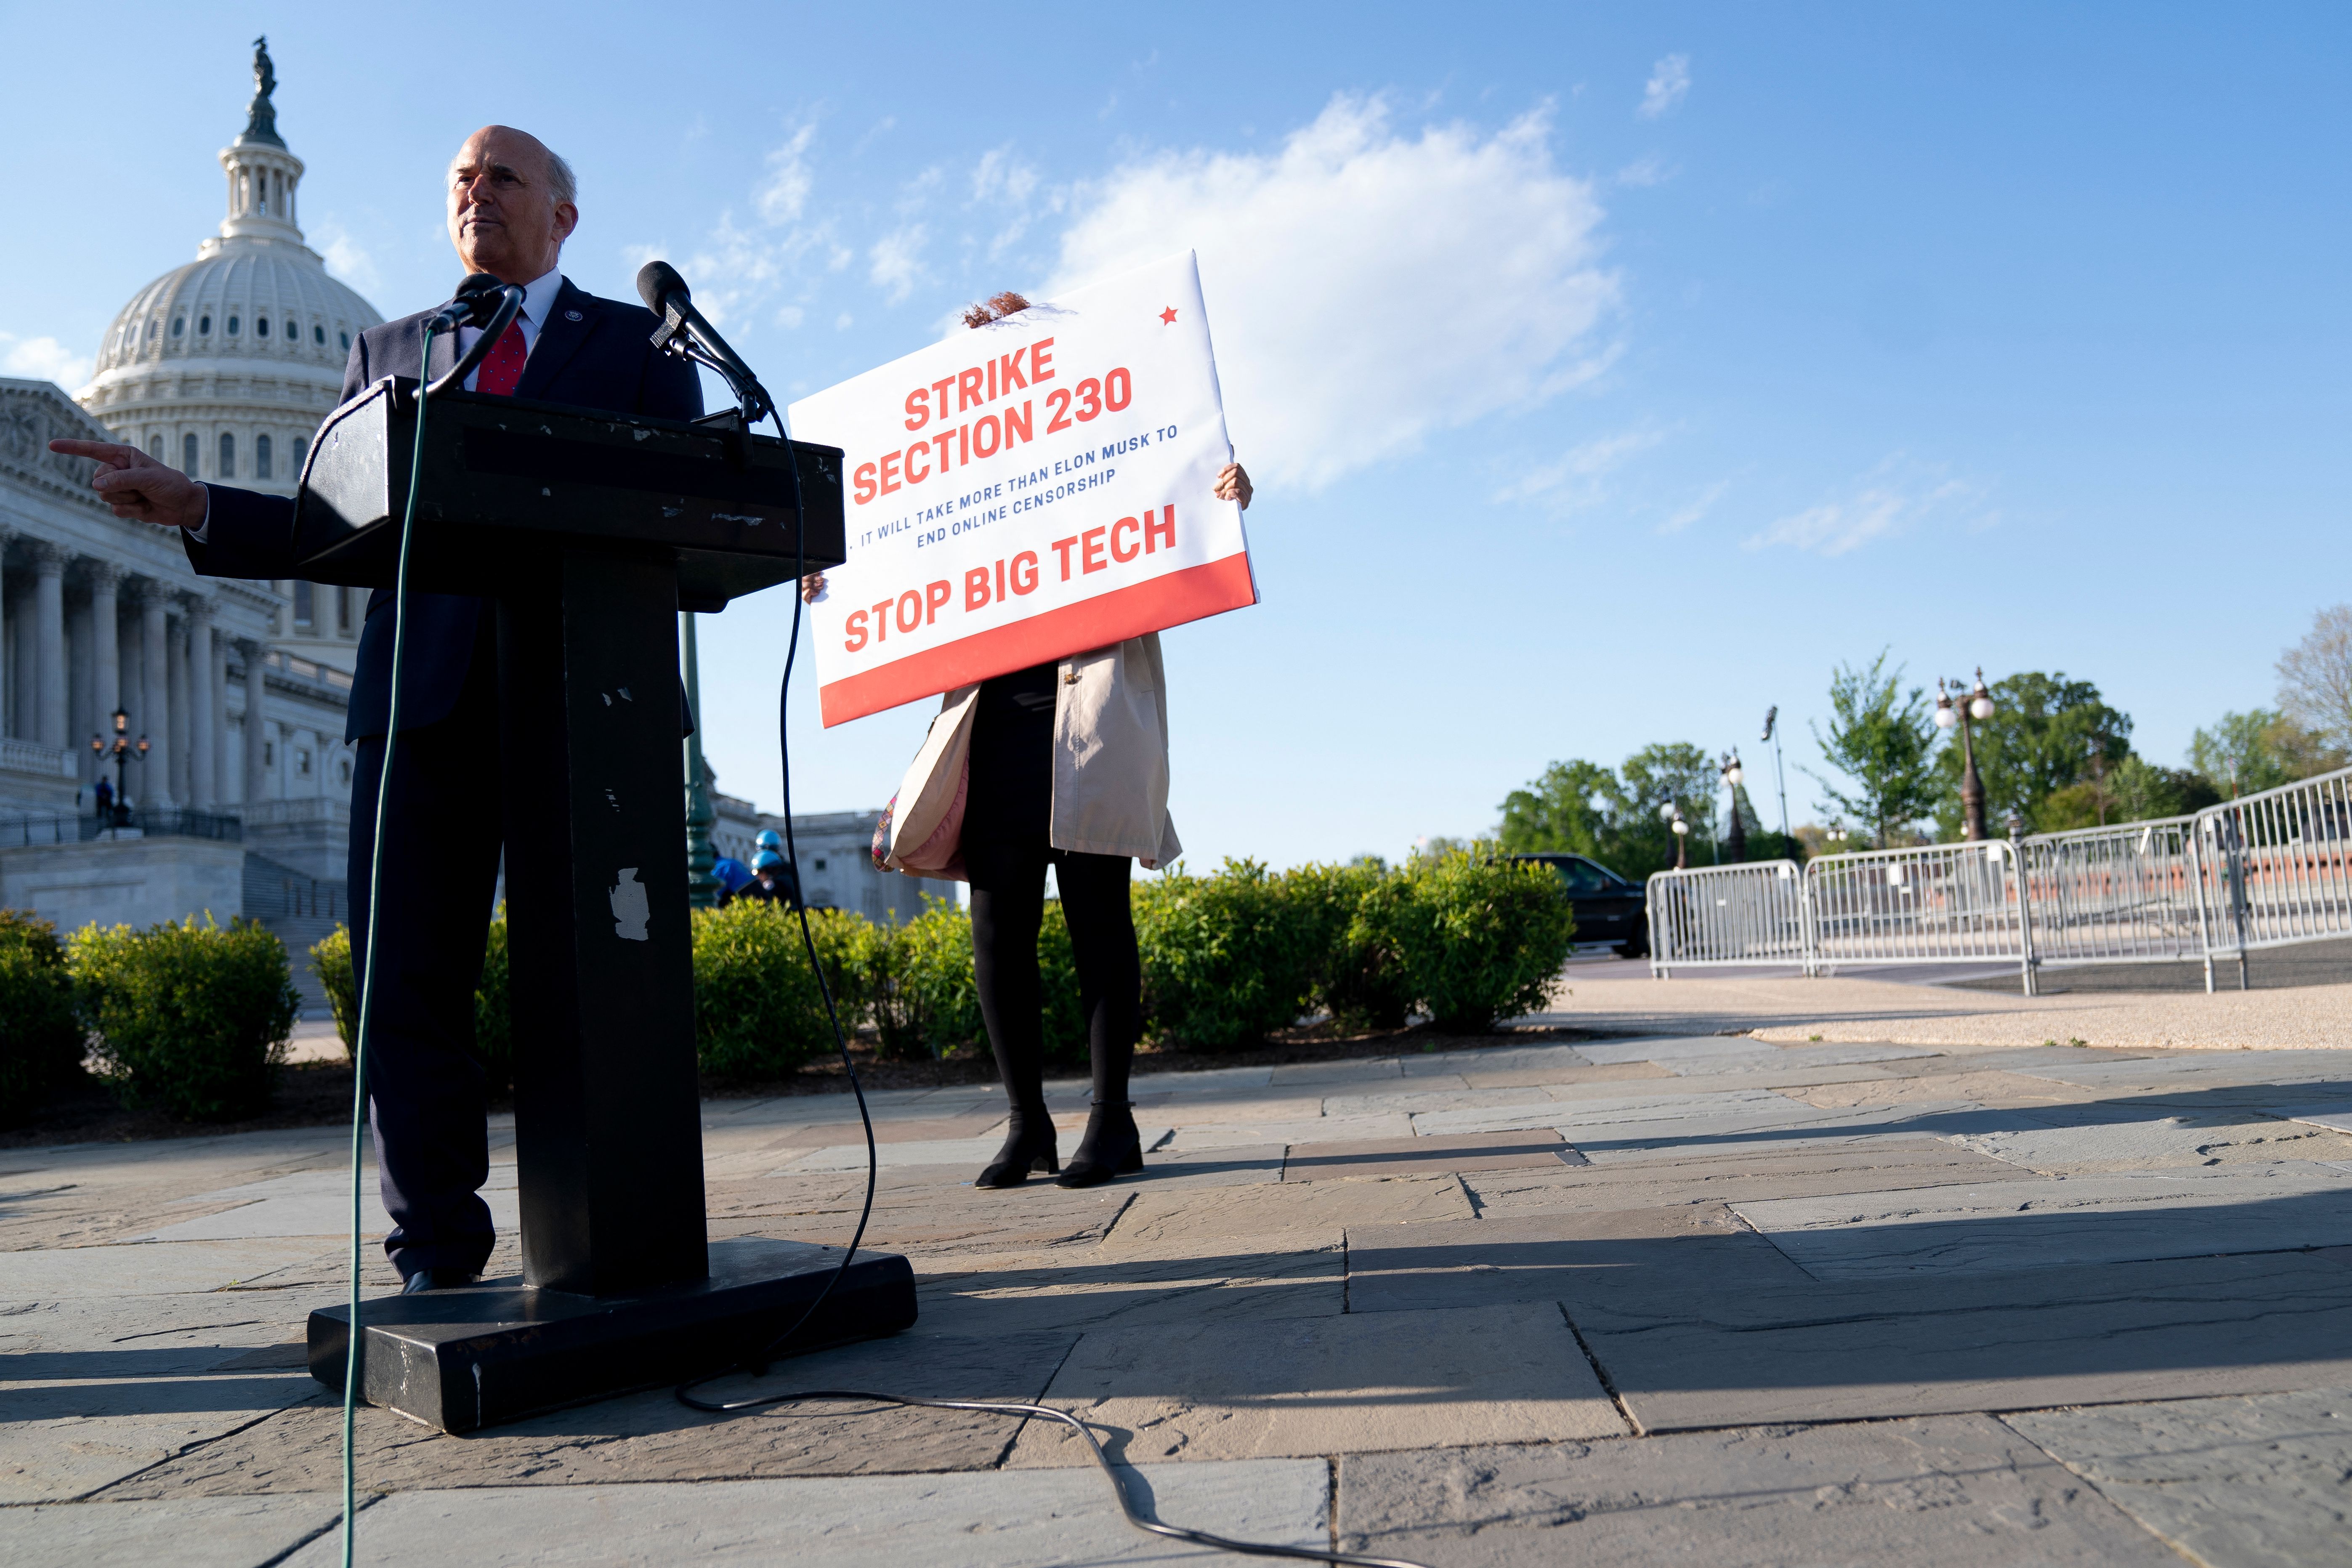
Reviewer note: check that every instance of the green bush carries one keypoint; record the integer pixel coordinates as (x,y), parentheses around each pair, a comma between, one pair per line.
(1358,977)
(1478,937)
(758,1012)
(1064,1016)
(331,962)
(493,1013)
(40,1041)
(190,1020)
(1228,958)
(924,999)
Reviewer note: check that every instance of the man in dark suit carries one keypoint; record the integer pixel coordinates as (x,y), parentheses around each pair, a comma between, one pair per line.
(510,210)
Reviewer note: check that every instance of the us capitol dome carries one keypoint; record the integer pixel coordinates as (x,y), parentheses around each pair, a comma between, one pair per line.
(224,367)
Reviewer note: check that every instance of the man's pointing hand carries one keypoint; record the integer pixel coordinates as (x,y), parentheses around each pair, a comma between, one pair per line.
(138,487)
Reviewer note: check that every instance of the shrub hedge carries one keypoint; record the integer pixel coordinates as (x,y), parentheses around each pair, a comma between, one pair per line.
(1476,937)
(191,1020)
(40,1039)
(331,962)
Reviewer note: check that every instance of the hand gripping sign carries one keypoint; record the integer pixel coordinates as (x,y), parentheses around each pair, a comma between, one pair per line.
(1036,488)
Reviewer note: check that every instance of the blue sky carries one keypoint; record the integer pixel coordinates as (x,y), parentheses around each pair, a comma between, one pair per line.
(1608,374)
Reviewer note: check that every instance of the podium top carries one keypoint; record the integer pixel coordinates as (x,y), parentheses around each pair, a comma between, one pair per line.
(506,484)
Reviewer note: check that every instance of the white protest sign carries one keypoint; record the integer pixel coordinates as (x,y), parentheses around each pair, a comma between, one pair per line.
(1026,490)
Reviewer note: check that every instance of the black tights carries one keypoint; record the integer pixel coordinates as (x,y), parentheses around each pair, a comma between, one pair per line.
(1008,904)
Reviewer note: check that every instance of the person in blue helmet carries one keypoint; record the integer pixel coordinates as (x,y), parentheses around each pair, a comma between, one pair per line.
(771,882)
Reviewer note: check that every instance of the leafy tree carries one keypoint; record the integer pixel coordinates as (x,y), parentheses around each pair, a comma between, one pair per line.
(2135,790)
(2245,754)
(1885,741)
(2316,678)
(2046,734)
(1579,807)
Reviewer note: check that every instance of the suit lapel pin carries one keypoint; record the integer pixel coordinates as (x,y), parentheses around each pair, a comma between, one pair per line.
(571,315)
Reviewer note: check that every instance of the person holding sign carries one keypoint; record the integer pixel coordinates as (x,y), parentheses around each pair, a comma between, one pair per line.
(1061,764)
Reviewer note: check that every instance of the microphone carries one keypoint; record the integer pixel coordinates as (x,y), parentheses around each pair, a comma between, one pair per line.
(471,306)
(666,296)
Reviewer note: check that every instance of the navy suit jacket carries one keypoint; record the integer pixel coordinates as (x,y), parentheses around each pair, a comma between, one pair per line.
(592,354)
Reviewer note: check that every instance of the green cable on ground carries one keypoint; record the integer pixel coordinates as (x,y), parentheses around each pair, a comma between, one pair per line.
(367,964)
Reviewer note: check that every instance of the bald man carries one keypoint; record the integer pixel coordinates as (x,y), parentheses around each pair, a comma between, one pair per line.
(512,206)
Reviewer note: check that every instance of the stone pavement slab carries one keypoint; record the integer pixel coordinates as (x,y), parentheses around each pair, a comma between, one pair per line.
(2257,1482)
(1545,1074)
(65,1436)
(1420,1156)
(1324,1129)
(2337,1118)
(147,1268)
(1038,1519)
(933,1129)
(1758,1351)
(1095,1288)
(649,1435)
(1952,1491)
(185,1532)
(1325,1385)
(1875,1165)
(969,1153)
(1166,1220)
(2107,1136)
(2076,1220)
(1552,1257)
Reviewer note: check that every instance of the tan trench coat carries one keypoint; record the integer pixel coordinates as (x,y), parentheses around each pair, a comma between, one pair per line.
(1111,766)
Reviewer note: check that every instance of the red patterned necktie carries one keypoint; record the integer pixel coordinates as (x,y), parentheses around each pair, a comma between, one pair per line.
(503,368)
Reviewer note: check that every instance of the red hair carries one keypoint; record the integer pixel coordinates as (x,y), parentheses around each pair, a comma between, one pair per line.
(993,309)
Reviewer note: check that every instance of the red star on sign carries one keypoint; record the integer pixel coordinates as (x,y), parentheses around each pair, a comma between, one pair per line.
(1167,317)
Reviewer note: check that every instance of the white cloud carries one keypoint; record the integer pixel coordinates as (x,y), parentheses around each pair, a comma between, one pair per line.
(785,192)
(1573,483)
(1699,506)
(1366,288)
(1644,172)
(999,177)
(346,258)
(44,359)
(897,261)
(1897,495)
(1669,82)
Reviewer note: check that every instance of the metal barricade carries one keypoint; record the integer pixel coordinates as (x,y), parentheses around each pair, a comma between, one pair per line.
(2268,870)
(1746,914)
(2127,894)
(1936,903)
(2277,868)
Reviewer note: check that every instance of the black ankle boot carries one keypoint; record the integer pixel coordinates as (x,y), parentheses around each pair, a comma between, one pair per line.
(1028,1147)
(1112,1147)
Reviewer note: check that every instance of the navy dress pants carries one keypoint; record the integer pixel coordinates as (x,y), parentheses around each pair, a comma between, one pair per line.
(439,871)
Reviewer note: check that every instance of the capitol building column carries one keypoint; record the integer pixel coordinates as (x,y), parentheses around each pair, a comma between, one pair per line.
(257,727)
(154,692)
(203,703)
(49,726)
(106,647)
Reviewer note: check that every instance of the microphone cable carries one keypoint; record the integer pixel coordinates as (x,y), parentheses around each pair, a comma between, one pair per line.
(757,1365)
(351,1347)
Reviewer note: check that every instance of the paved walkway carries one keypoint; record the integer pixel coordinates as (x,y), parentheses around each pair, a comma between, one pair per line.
(1684,1299)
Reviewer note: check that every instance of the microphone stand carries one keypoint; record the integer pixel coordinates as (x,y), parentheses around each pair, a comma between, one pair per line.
(679,338)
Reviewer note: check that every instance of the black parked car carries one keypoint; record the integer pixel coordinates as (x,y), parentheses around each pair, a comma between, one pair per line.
(1608,906)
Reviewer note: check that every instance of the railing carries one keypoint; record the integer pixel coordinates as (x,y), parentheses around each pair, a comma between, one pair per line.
(2264,871)
(18,755)
(1748,914)
(22,832)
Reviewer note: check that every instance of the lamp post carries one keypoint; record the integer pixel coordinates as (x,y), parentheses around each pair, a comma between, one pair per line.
(1779,779)
(1955,708)
(1672,815)
(1735,847)
(122,750)
(701,887)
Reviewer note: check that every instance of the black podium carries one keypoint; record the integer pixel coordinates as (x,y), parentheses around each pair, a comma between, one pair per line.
(592,531)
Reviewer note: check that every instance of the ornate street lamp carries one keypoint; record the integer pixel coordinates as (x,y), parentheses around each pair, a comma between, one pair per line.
(1735,848)
(1672,815)
(1953,708)
(122,751)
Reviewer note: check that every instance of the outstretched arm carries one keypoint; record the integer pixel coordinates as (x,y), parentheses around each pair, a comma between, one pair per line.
(138,488)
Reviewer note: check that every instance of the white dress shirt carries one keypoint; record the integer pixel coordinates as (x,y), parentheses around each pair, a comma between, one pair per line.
(538,300)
